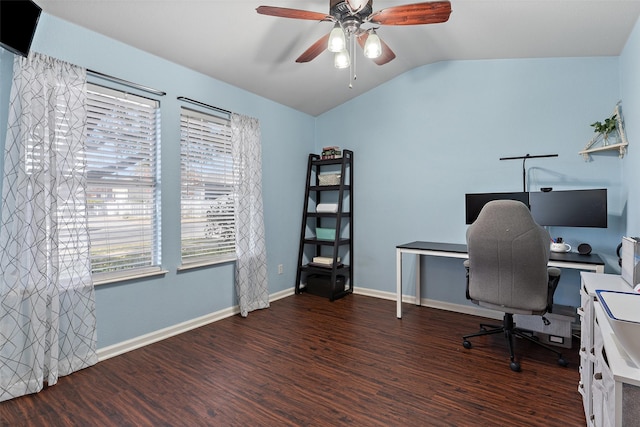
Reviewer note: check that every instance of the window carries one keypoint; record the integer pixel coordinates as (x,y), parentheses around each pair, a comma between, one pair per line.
(207,205)
(123,183)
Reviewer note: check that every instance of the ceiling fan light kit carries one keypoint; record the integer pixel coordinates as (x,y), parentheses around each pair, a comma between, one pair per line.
(337,39)
(342,59)
(349,16)
(372,47)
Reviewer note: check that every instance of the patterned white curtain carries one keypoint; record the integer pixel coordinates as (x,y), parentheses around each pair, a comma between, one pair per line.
(251,253)
(47,302)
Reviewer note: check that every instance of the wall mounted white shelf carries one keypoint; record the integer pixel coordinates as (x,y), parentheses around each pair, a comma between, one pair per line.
(620,146)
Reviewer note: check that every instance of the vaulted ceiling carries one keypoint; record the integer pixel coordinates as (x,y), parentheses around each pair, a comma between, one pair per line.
(230,41)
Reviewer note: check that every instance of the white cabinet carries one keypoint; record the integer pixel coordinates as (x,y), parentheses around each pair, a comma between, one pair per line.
(609,380)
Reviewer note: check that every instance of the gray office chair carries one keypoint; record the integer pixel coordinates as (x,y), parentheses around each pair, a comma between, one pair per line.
(507,270)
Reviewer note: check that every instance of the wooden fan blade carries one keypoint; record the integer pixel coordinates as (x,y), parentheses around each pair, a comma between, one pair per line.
(316,49)
(413,14)
(387,54)
(284,12)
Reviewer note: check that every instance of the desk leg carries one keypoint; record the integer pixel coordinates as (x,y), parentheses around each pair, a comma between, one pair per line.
(418,259)
(398,283)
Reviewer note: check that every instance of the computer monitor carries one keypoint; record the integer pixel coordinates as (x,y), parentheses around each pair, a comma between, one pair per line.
(573,208)
(475,201)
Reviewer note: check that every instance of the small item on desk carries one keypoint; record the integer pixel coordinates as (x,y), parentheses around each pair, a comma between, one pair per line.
(584,249)
(560,246)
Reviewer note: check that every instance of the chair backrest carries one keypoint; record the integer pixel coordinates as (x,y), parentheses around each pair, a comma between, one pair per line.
(508,256)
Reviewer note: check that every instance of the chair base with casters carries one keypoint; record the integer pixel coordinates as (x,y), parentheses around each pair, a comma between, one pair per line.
(508,326)
(510,332)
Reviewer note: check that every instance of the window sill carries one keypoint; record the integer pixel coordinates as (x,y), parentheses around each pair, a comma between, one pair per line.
(123,277)
(208,263)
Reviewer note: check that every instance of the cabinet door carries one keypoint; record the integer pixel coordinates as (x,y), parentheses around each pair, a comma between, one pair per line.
(584,385)
(608,390)
(597,384)
(603,387)
(586,356)
(586,320)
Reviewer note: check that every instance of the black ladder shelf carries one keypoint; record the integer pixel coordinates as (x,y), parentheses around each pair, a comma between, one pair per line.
(336,279)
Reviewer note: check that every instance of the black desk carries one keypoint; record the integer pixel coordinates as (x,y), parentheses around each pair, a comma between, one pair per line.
(456,250)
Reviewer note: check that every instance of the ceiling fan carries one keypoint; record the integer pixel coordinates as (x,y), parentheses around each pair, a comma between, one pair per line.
(350,17)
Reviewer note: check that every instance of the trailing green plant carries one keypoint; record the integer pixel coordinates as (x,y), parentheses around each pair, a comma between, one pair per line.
(607,127)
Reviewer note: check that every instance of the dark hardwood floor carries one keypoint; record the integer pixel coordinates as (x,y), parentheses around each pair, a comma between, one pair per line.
(310,362)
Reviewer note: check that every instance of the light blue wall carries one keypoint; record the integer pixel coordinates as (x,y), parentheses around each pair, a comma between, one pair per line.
(630,89)
(424,139)
(128,310)
(421,142)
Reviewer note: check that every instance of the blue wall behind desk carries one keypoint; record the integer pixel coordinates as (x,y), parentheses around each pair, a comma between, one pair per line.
(429,136)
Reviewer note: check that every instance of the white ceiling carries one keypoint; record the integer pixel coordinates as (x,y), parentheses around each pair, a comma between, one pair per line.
(228,40)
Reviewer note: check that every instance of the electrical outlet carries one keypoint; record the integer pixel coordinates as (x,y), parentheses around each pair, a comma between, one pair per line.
(280,268)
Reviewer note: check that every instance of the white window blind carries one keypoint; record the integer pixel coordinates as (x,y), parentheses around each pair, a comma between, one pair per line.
(123,182)
(207,205)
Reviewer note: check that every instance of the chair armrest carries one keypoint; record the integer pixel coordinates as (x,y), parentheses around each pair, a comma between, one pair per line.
(554,278)
(466,266)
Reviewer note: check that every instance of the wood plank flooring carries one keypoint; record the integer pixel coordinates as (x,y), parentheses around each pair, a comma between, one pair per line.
(306,361)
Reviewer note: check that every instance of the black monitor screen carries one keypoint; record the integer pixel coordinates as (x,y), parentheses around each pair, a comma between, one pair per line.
(475,201)
(576,208)
(18,20)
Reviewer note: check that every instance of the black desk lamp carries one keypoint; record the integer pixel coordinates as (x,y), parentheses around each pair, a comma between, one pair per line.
(524,159)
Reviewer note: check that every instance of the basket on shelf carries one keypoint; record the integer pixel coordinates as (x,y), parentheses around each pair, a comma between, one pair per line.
(329,179)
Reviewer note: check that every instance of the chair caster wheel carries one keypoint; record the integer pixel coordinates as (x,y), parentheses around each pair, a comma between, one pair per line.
(515,366)
(466,344)
(563,362)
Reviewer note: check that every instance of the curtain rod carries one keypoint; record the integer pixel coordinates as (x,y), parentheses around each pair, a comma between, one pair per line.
(202,104)
(127,83)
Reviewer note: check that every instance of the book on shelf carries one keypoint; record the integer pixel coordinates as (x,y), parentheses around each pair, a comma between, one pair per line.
(324,260)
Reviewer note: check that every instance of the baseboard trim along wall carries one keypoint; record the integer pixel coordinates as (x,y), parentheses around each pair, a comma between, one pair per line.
(442,305)
(159,335)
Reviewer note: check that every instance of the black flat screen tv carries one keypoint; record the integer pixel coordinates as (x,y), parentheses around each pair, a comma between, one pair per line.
(18,21)
(574,208)
(475,201)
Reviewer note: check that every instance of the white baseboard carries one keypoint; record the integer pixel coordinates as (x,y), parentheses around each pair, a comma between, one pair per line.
(426,302)
(161,334)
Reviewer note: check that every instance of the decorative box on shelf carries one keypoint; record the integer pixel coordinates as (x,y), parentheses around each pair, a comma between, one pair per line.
(332,152)
(329,179)
(325,233)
